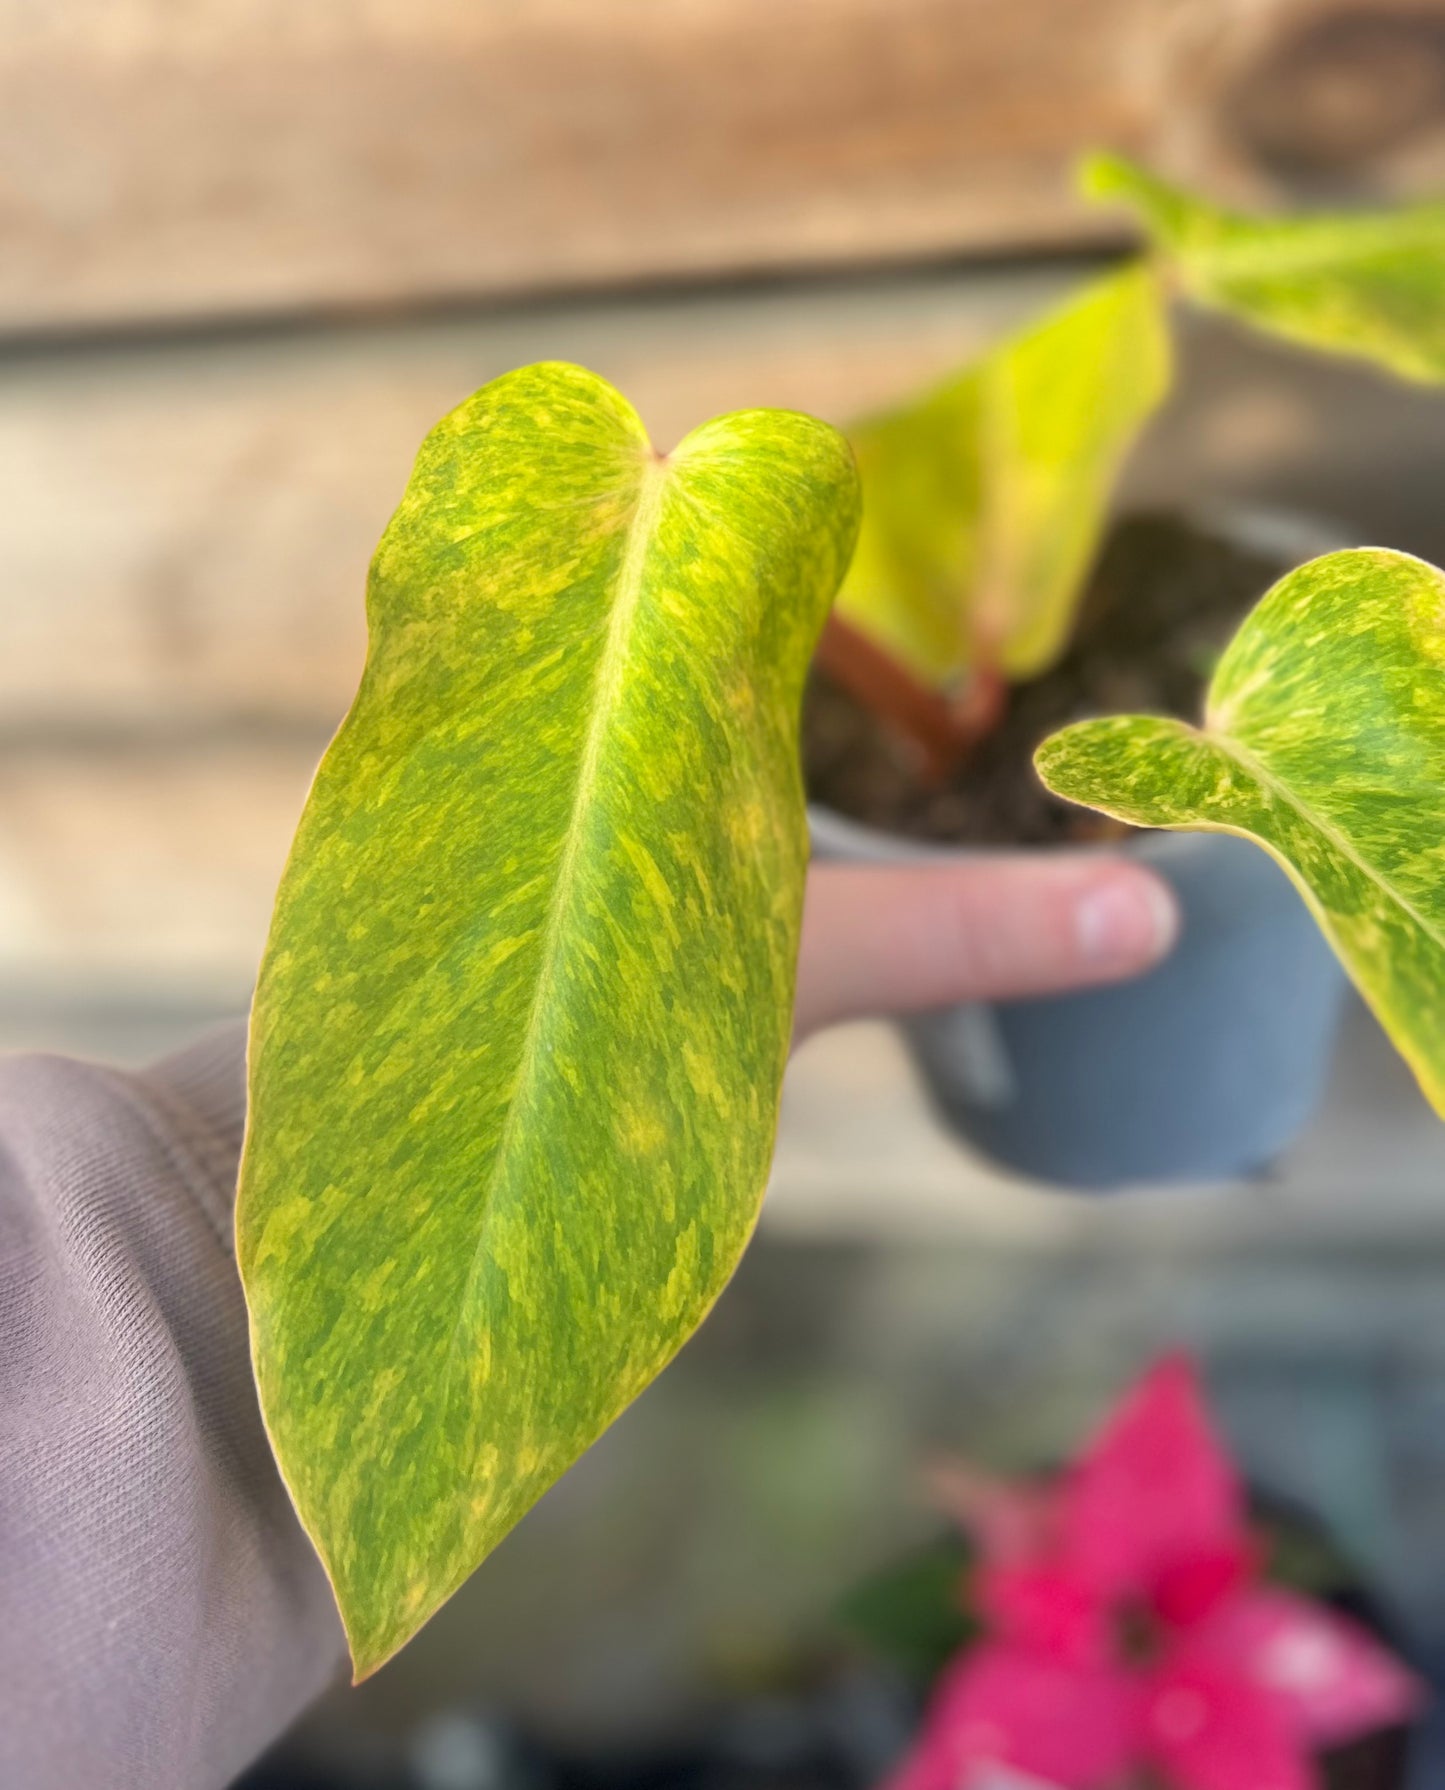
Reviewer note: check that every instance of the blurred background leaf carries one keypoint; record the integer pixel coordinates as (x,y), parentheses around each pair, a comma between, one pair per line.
(1367,283)
(984,499)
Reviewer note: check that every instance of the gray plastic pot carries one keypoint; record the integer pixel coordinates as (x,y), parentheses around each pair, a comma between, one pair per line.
(1203,1070)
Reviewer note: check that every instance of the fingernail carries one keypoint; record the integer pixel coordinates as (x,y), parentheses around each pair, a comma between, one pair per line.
(1129,919)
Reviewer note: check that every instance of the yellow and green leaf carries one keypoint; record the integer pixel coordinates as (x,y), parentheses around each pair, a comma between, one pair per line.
(1367,283)
(984,499)
(1323,741)
(522,1017)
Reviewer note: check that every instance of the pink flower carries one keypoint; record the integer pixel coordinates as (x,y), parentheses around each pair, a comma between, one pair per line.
(1129,1633)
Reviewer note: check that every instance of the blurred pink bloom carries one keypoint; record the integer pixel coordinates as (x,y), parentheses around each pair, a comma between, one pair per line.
(1129,1632)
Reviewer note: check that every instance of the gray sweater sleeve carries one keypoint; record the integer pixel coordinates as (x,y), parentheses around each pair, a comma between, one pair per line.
(162,1616)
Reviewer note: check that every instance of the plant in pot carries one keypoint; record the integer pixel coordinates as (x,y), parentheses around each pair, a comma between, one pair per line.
(980,615)
(1138,1618)
(520,1026)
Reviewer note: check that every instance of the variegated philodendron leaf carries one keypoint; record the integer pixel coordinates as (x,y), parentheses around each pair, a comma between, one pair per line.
(1323,741)
(523,1013)
(1362,283)
(984,499)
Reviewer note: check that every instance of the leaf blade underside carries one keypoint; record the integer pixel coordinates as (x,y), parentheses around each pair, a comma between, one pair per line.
(521,1021)
(1324,742)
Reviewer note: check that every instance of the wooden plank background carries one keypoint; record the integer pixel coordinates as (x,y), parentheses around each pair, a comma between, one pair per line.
(186,529)
(200,515)
(250,251)
(163,159)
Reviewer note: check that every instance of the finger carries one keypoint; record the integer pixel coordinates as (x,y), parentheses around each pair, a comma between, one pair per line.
(894,939)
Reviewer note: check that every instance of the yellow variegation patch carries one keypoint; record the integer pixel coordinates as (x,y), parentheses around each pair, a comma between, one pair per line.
(1324,741)
(984,499)
(522,1018)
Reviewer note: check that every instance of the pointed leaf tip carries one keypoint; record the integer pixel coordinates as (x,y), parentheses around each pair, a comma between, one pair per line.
(1104,175)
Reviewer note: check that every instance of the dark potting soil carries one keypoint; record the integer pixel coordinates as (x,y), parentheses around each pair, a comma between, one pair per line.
(1163,600)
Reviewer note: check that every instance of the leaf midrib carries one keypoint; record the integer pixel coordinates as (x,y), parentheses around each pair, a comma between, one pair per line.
(1300,256)
(1258,769)
(606,689)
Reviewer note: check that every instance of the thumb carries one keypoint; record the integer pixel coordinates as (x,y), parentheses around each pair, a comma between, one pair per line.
(895,939)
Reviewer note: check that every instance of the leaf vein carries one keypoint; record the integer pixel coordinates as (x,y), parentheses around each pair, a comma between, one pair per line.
(1341,842)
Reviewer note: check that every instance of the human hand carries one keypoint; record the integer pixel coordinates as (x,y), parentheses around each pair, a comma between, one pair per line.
(898,938)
